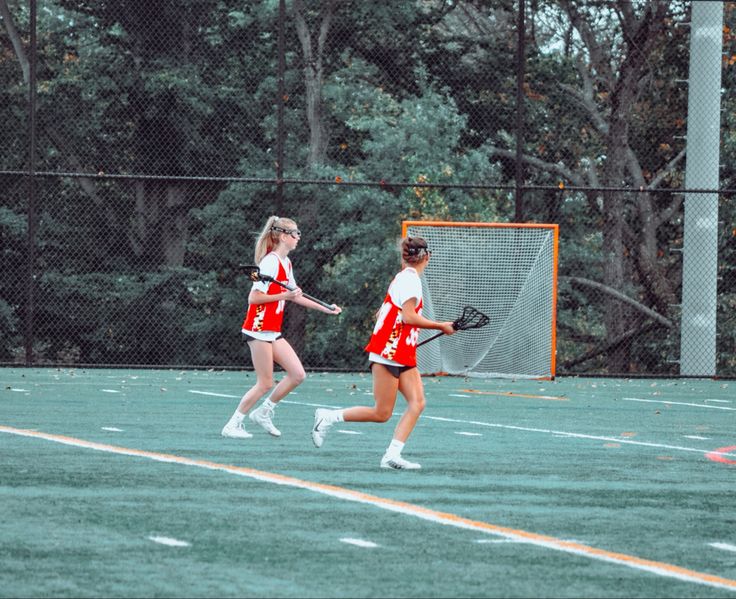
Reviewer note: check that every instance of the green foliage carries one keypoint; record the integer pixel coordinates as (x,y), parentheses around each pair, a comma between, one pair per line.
(416,95)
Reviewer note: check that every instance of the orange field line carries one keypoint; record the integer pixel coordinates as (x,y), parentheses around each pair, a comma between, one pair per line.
(659,568)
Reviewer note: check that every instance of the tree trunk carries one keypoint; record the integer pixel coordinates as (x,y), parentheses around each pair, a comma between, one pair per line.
(652,272)
(615,314)
(313,75)
(158,233)
(640,35)
(318,138)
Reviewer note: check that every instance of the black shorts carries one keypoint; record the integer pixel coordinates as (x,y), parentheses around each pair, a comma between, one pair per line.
(395,371)
(250,339)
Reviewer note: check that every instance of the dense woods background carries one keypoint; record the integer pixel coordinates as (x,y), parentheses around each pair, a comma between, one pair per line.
(166,132)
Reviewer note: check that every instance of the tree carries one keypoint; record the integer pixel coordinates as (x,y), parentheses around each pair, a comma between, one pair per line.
(615,49)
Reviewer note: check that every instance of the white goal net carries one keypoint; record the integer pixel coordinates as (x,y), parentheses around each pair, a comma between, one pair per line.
(508,272)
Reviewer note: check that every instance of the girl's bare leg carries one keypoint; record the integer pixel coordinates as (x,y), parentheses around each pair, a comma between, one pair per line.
(262,354)
(285,356)
(412,388)
(385,387)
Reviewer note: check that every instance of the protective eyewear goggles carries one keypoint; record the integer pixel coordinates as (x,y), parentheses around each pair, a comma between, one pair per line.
(293,232)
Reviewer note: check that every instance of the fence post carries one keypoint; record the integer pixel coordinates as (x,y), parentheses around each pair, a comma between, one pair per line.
(519,166)
(280,113)
(31,281)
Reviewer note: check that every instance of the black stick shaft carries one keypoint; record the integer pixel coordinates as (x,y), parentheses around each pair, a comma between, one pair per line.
(314,299)
(430,339)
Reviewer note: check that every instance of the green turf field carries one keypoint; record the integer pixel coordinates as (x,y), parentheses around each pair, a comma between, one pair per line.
(117,483)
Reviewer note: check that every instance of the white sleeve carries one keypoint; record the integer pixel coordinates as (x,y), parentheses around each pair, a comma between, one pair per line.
(269,265)
(407,285)
(290,273)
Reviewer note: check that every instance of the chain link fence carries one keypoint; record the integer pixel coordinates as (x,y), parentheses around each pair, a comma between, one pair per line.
(144,144)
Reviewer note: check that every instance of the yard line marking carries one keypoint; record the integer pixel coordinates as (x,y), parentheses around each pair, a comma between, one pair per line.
(316,405)
(543,430)
(113,429)
(510,394)
(468,434)
(568,434)
(210,393)
(719,400)
(109,390)
(401,507)
(358,542)
(696,437)
(724,546)
(677,403)
(311,405)
(169,541)
(18,390)
(457,395)
(344,432)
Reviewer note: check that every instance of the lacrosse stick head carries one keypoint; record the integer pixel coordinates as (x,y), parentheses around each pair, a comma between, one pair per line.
(470,319)
(251,271)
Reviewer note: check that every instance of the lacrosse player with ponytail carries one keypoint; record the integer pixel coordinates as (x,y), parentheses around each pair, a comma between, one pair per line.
(392,355)
(262,327)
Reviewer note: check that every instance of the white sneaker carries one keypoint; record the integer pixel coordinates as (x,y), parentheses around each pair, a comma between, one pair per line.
(321,425)
(235,431)
(262,416)
(398,463)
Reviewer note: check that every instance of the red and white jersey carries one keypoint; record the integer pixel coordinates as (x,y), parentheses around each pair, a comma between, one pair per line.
(269,316)
(392,339)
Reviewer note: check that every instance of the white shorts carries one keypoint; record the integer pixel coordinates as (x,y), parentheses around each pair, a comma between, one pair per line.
(268,336)
(380,360)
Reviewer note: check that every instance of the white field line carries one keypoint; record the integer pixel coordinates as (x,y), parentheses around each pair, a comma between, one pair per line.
(401,507)
(213,394)
(359,542)
(724,546)
(114,429)
(301,403)
(546,431)
(169,541)
(678,403)
(311,405)
(574,435)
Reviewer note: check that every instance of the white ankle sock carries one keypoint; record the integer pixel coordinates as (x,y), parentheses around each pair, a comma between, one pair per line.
(337,416)
(237,417)
(394,448)
(268,404)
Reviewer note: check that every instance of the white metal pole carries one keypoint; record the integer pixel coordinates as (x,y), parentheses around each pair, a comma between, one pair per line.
(700,249)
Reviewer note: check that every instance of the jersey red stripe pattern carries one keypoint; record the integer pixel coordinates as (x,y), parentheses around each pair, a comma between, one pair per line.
(392,338)
(269,316)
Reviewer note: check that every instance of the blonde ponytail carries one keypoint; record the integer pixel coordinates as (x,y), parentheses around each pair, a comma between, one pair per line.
(269,238)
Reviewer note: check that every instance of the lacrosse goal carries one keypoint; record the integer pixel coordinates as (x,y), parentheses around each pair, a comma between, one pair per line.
(507,271)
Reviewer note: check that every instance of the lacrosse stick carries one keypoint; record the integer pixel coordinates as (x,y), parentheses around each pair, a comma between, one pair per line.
(255,275)
(469,319)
